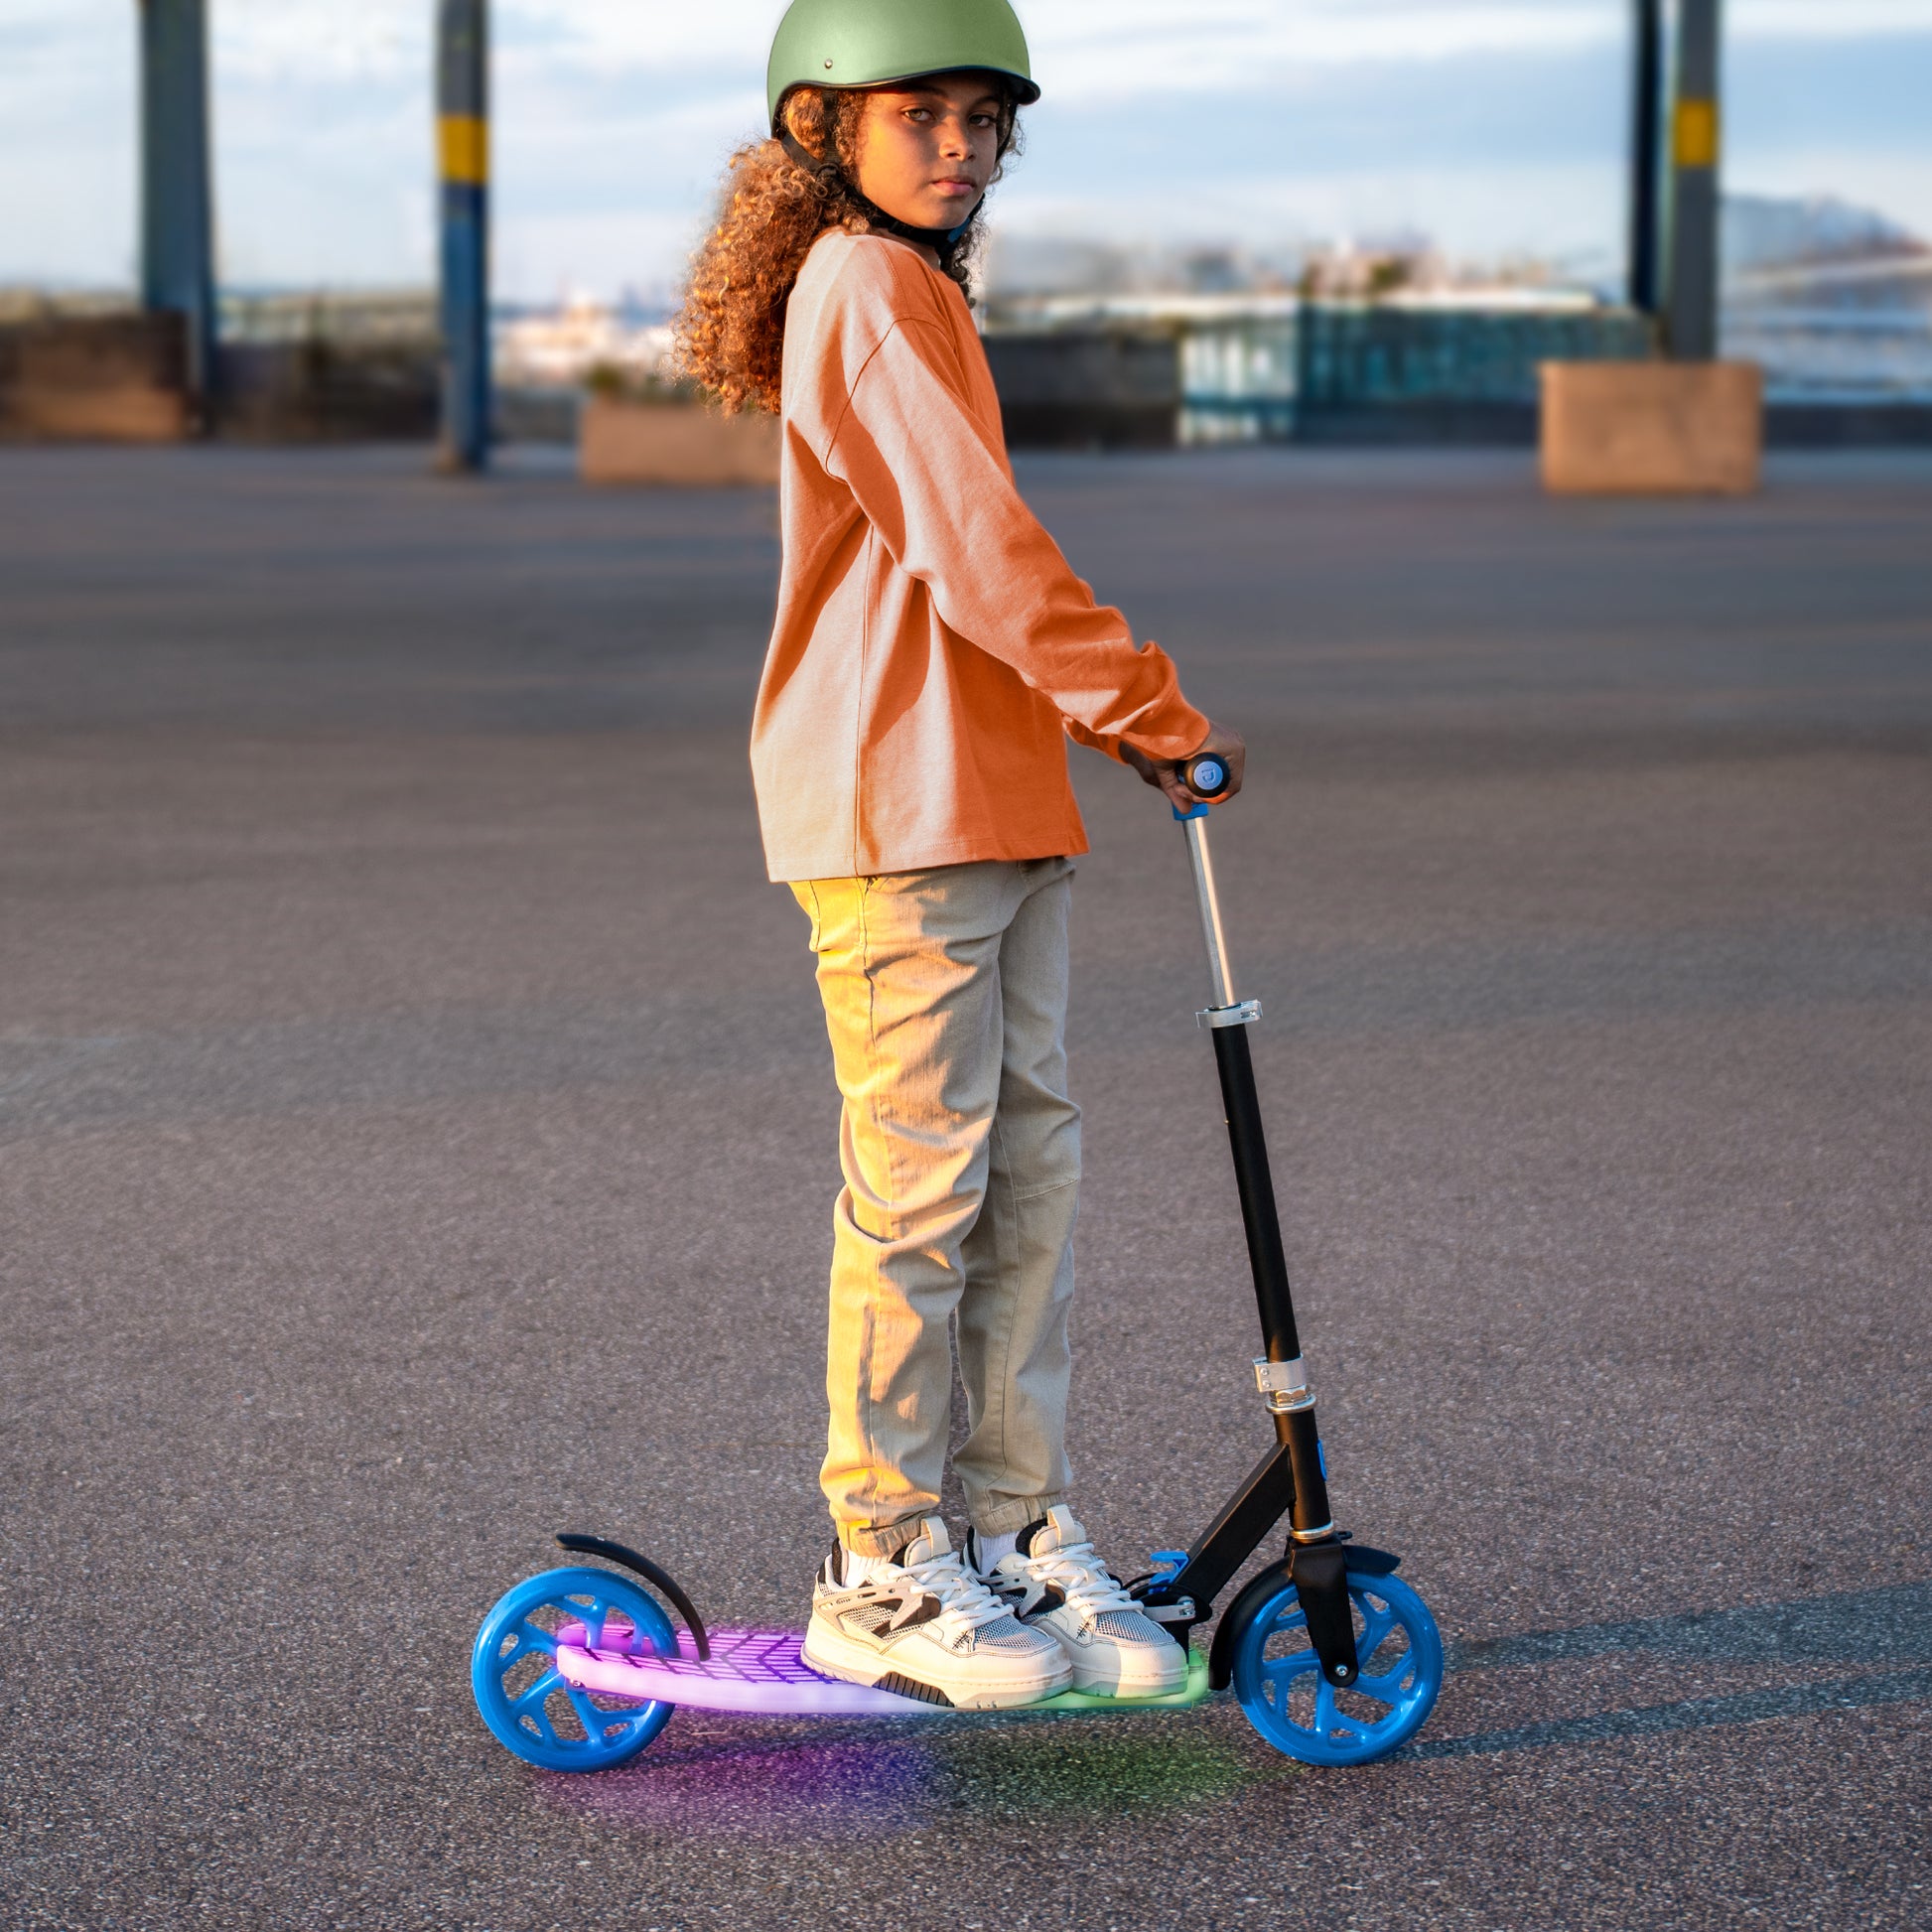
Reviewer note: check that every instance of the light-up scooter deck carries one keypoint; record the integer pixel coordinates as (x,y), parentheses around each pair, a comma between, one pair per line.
(761,1673)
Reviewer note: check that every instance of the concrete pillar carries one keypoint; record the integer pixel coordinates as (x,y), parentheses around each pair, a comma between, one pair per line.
(1646,154)
(462,148)
(1691,424)
(177,195)
(1691,303)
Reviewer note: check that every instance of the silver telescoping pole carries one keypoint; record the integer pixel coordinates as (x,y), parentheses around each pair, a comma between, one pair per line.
(1219,971)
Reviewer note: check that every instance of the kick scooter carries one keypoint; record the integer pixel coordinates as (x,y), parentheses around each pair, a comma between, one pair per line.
(1333,1658)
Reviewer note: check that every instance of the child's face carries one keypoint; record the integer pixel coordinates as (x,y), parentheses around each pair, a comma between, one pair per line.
(928,148)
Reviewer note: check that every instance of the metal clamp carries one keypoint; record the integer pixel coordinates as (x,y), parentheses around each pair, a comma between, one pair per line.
(1244,1013)
(1181,1611)
(1285,1385)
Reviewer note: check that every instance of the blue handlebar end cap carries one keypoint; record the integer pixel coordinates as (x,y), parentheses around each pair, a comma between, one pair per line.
(1200,811)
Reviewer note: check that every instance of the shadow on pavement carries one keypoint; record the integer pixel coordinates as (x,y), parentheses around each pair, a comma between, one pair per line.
(1887,1627)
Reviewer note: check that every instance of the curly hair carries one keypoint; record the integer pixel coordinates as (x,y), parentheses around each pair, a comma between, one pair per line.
(729,335)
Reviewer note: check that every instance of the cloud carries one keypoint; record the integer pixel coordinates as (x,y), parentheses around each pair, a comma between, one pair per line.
(1487,119)
(291,40)
(1088,51)
(1827,20)
(1080,47)
(1087,46)
(1571,213)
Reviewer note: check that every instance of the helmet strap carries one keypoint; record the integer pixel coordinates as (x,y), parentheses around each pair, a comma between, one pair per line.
(942,242)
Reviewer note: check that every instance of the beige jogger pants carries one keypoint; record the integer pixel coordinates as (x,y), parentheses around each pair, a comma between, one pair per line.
(945,999)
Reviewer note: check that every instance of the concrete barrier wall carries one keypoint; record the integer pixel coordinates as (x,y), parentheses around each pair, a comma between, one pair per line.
(1652,428)
(320,391)
(623,442)
(122,379)
(95,379)
(1905,425)
(1087,388)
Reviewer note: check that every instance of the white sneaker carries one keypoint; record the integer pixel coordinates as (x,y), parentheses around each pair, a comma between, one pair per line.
(926,1628)
(1055,1583)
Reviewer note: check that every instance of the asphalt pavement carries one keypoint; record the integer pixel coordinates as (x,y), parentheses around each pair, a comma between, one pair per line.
(417,1137)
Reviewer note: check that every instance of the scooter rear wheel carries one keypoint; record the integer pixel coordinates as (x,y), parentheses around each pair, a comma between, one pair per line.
(525,1702)
(1278,1680)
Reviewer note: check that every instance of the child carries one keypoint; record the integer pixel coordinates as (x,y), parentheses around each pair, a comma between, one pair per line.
(931,653)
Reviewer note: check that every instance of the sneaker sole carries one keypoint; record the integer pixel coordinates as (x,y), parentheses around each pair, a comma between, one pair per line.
(1115,1686)
(1122,1684)
(842,1657)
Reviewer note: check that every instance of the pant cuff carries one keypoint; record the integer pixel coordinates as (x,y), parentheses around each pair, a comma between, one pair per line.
(882,1539)
(1011,1516)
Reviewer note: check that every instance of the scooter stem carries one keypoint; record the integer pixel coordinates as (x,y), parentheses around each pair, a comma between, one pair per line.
(1281,1376)
(1218,969)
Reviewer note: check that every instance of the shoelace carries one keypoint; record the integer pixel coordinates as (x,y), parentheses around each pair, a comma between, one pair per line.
(965,1604)
(1078,1572)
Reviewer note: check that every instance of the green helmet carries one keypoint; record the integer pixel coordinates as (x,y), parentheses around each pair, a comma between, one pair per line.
(868,42)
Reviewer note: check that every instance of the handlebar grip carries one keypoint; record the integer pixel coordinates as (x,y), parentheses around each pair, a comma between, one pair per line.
(1206,776)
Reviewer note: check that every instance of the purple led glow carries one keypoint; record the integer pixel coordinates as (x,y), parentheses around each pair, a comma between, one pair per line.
(758,1672)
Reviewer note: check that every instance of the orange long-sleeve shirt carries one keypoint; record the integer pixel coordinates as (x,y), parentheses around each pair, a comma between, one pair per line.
(932,648)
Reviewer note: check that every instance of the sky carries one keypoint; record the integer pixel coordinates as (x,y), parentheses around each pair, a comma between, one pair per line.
(1495,126)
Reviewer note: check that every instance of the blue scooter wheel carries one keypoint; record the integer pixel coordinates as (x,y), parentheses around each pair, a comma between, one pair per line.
(1295,1709)
(520,1693)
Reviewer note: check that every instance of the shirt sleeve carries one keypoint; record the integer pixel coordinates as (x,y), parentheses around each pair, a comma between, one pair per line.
(924,471)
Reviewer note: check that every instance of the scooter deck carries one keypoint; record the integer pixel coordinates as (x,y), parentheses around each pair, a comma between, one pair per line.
(761,1673)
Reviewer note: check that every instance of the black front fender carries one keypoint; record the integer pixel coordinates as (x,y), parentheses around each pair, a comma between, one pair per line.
(1277,1577)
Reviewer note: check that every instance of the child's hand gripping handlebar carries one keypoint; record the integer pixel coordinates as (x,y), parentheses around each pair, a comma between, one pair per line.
(1210,773)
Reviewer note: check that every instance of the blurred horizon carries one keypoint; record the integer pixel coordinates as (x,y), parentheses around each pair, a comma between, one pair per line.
(1490,131)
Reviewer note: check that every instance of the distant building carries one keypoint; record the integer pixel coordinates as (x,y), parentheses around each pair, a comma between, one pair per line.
(560,349)
(1445,362)
(1833,301)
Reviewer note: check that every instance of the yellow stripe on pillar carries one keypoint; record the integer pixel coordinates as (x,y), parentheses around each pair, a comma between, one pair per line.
(464,144)
(1695,142)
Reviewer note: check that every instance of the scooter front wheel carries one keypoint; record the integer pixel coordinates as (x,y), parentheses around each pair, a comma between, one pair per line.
(524,1699)
(1278,1680)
